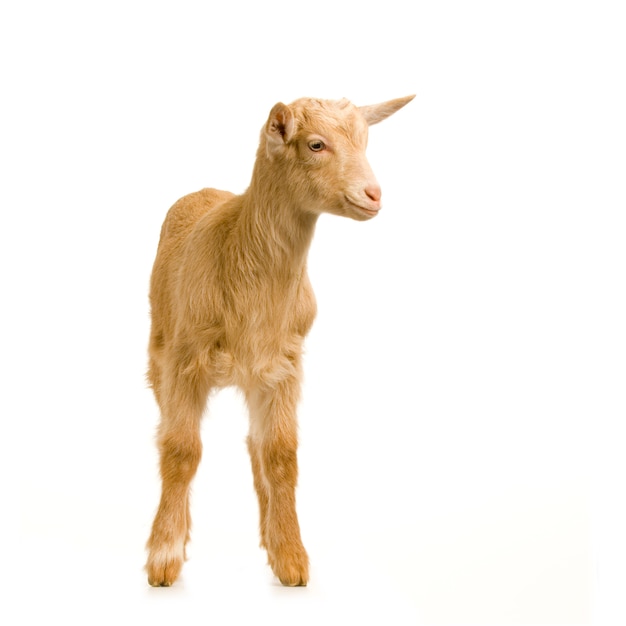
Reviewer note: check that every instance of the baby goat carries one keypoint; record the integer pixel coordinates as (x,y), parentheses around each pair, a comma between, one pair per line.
(231,304)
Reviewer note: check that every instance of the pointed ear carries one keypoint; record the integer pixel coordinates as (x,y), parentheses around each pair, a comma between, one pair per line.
(375,113)
(280,127)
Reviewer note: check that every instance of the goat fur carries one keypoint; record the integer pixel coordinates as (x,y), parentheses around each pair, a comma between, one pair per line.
(231,304)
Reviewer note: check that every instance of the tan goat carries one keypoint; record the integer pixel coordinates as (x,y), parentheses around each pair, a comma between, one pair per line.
(231,304)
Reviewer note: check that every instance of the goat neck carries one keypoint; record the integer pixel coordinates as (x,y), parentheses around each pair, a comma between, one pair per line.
(278,231)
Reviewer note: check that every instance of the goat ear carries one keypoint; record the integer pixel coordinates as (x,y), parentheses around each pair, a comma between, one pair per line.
(375,113)
(280,127)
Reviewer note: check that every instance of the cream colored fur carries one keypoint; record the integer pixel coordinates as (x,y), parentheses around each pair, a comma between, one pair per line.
(231,305)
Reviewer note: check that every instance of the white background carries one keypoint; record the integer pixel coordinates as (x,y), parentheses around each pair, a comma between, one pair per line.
(460,443)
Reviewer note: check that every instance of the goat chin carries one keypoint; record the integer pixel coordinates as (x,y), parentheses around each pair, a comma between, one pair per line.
(361,212)
(231,304)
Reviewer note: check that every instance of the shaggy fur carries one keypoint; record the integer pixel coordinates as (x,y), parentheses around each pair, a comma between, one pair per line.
(231,304)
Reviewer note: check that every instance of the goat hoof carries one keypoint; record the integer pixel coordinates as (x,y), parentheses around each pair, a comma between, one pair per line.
(292,570)
(296,582)
(163,572)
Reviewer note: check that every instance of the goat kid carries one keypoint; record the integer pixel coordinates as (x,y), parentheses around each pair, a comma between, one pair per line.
(231,304)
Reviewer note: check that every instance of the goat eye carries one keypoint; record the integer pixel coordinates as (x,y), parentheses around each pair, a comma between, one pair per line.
(317,145)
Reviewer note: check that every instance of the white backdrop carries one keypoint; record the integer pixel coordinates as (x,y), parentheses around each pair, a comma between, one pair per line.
(460,444)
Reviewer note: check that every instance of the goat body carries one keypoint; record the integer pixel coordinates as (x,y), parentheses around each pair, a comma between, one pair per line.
(231,304)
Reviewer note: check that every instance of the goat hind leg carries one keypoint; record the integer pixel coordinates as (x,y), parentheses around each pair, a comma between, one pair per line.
(259,487)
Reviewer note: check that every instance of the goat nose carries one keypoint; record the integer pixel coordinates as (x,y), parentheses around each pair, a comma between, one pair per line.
(373,192)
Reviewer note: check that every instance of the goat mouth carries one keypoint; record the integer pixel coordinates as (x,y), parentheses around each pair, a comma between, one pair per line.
(370,212)
(365,210)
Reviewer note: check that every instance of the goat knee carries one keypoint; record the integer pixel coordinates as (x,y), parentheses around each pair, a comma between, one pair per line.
(280,466)
(180,456)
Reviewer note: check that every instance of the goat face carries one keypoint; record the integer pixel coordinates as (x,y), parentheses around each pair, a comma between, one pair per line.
(317,149)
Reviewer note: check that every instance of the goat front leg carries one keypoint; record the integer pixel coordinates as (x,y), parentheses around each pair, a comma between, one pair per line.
(180,449)
(272,444)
